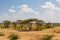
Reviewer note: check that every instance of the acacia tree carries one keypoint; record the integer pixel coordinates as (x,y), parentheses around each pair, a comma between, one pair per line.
(6,23)
(15,25)
(21,23)
(29,21)
(39,24)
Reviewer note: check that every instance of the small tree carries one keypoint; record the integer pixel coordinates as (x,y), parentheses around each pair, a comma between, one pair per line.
(13,36)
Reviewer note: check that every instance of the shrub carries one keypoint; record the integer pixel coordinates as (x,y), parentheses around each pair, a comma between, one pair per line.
(1,25)
(49,25)
(13,36)
(1,34)
(47,37)
(43,27)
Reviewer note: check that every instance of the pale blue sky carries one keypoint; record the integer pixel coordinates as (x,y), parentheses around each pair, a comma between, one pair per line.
(6,4)
(47,10)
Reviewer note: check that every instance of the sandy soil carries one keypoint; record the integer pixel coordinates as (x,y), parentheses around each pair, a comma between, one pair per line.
(32,35)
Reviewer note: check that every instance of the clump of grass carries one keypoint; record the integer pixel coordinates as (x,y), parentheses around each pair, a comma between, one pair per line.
(13,36)
(47,37)
(58,31)
(1,34)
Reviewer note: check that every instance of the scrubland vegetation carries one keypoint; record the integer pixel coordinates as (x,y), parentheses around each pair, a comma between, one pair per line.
(13,36)
(47,37)
(27,27)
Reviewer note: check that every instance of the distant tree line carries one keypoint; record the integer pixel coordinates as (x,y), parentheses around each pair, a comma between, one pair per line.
(26,25)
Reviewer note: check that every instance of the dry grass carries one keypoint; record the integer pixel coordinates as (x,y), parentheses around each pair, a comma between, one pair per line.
(31,35)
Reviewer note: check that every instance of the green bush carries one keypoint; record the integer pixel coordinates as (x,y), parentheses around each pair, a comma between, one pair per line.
(47,37)
(46,26)
(1,34)
(43,27)
(13,36)
(2,25)
(49,25)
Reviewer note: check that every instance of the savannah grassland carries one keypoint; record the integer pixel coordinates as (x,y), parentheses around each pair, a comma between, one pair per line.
(37,31)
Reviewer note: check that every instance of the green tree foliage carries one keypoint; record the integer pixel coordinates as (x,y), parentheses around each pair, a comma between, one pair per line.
(39,24)
(15,25)
(6,23)
(28,23)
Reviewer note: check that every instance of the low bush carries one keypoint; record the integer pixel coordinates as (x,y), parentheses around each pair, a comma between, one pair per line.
(49,25)
(1,34)
(43,27)
(13,36)
(46,26)
(47,37)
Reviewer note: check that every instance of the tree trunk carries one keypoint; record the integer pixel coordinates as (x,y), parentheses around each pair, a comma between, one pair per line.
(21,27)
(30,26)
(37,26)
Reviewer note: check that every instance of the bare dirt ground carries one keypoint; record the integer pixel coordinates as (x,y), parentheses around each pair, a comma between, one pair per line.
(32,35)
